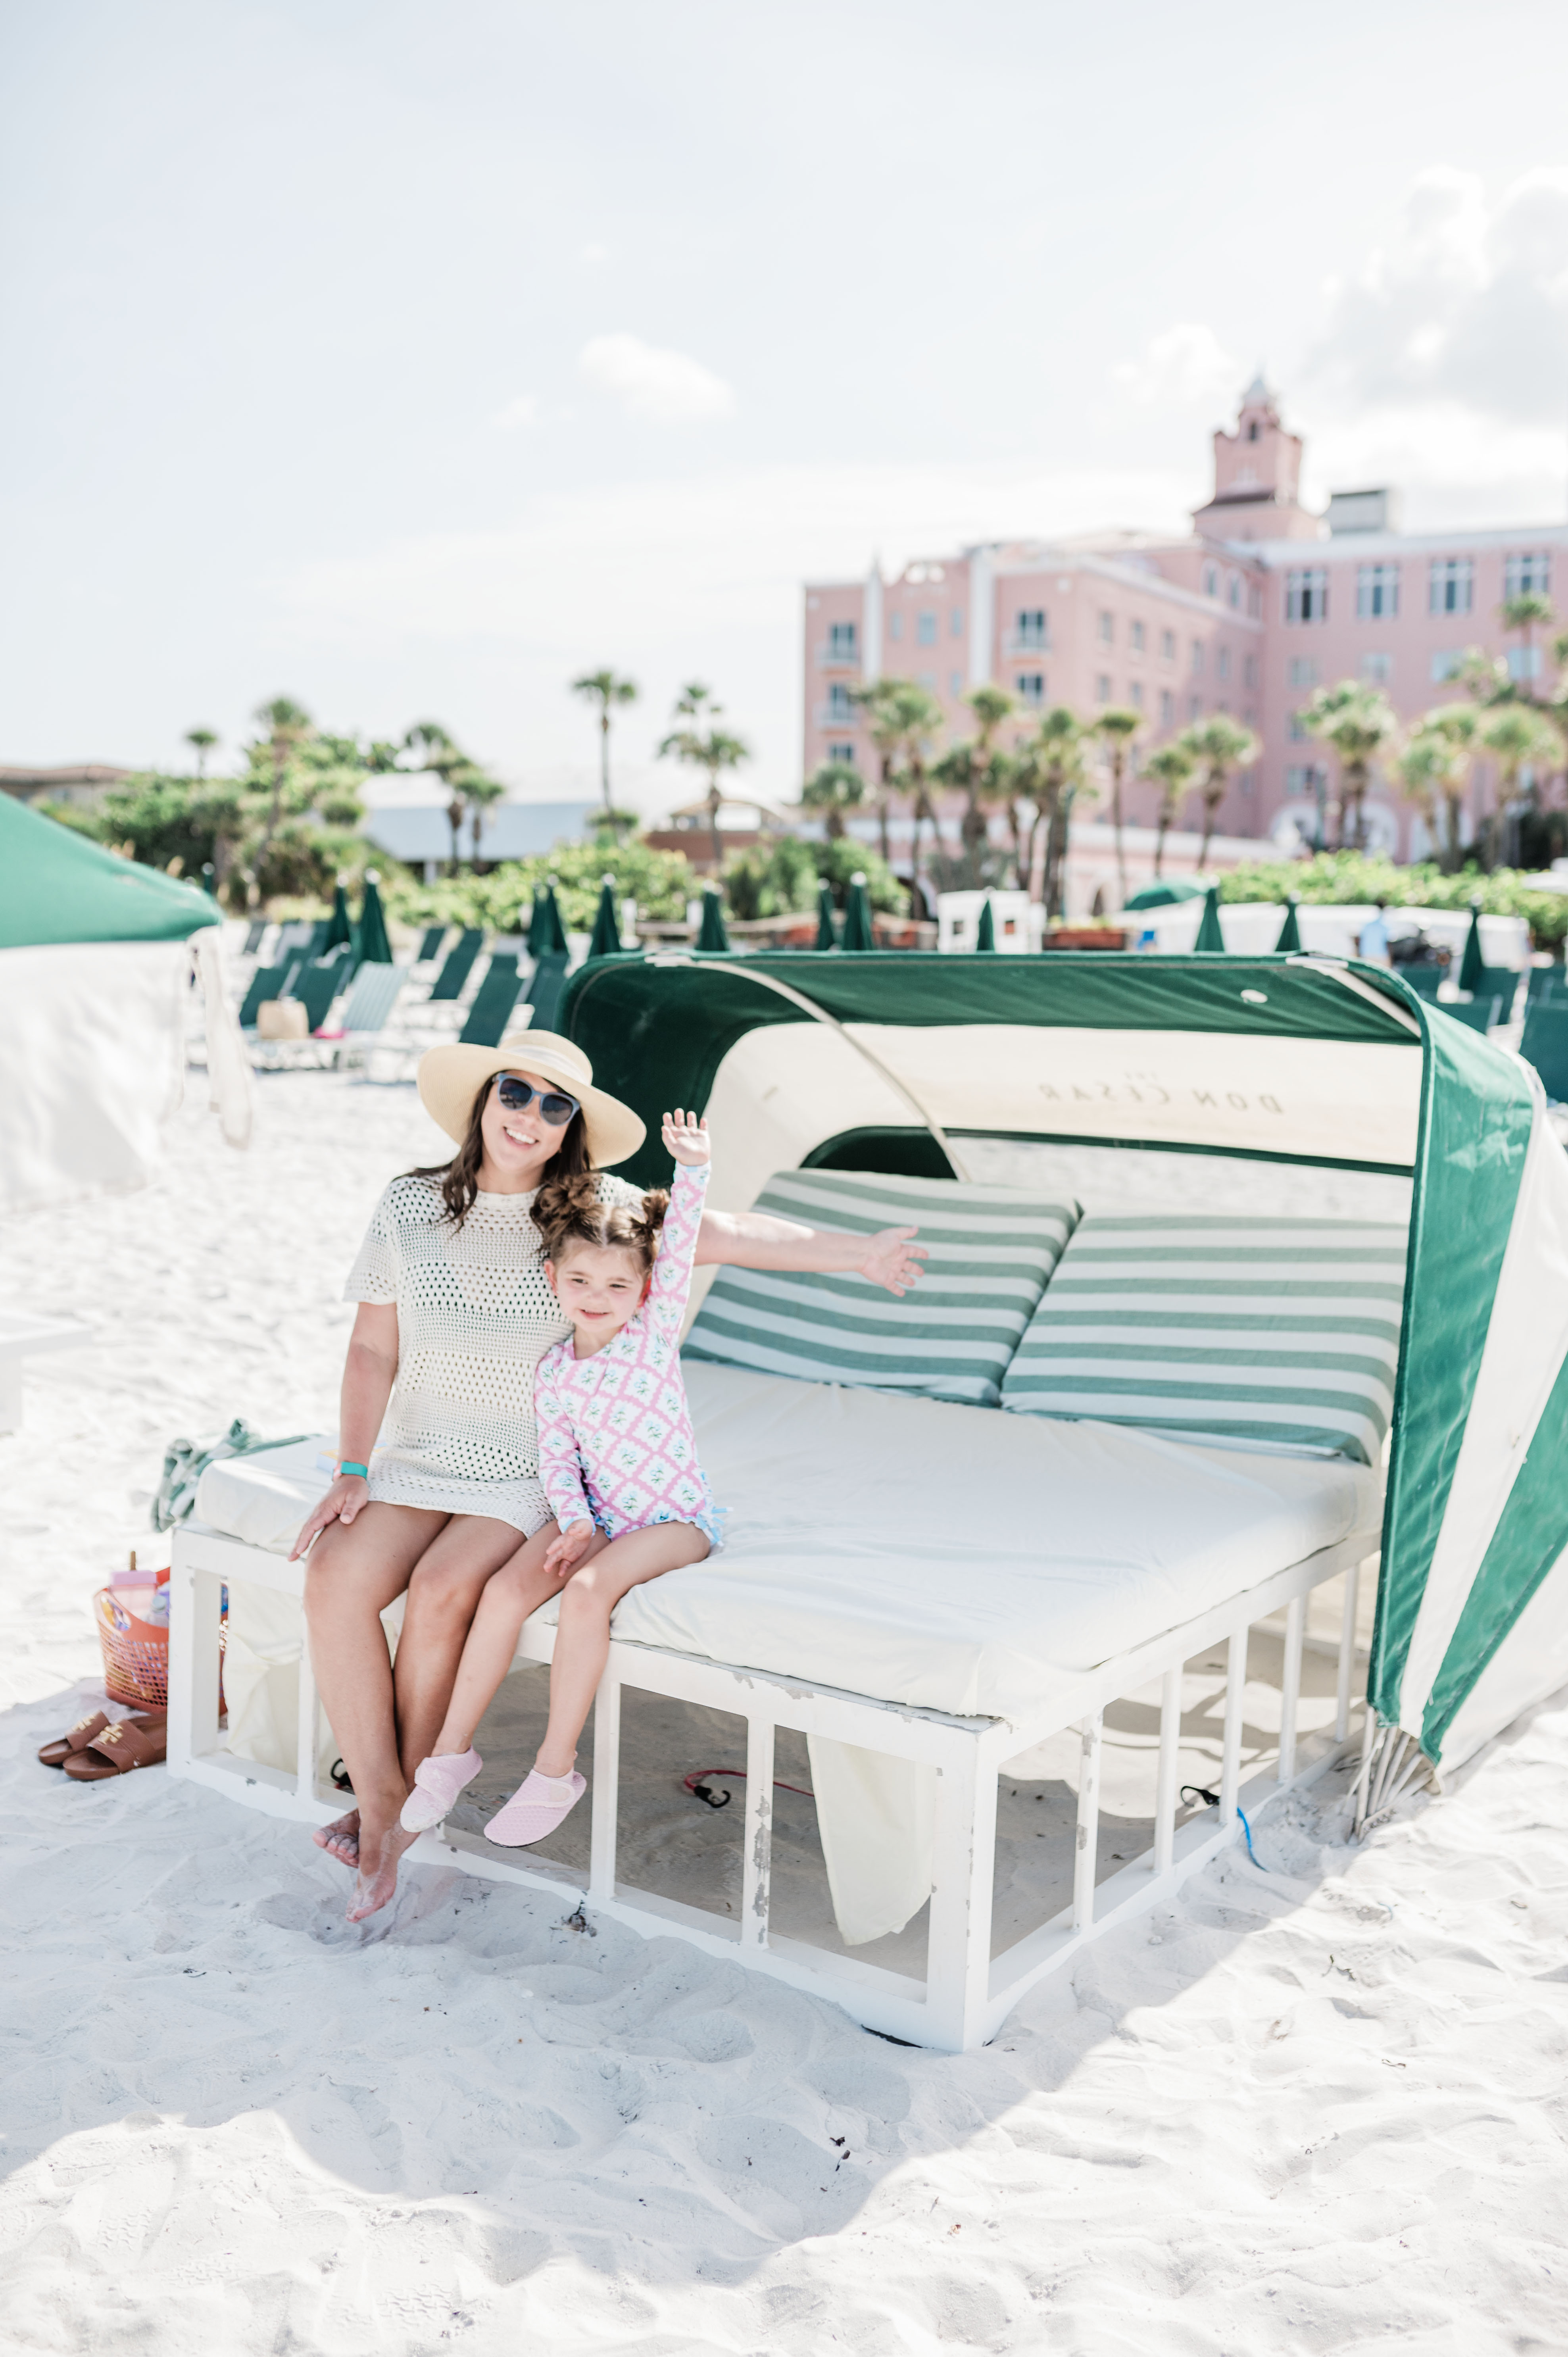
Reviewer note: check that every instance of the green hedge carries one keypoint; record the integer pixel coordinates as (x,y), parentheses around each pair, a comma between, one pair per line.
(1349,877)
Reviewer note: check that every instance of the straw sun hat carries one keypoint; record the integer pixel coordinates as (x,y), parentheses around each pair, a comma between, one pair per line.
(450,1078)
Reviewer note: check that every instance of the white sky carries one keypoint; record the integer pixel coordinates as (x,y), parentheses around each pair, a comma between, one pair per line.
(407,357)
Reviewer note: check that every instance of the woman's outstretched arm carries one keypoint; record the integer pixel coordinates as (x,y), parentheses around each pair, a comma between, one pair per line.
(757,1239)
(368,1373)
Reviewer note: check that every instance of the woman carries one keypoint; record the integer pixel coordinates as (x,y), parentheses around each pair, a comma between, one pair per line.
(455,1314)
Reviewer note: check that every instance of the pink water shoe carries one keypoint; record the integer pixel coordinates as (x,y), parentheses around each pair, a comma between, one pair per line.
(535,1809)
(436,1784)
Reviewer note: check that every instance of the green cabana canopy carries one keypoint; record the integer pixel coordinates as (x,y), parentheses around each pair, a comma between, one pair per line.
(893,1063)
(55,885)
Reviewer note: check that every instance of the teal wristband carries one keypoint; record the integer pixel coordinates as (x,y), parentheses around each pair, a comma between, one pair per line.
(362,1470)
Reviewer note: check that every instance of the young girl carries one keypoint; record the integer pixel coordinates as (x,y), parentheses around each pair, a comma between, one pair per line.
(619,1461)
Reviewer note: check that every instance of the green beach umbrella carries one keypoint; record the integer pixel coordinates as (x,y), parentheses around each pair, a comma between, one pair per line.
(1290,932)
(711,933)
(546,934)
(1210,936)
(340,932)
(985,931)
(827,933)
(1162,895)
(1474,965)
(605,942)
(857,932)
(375,949)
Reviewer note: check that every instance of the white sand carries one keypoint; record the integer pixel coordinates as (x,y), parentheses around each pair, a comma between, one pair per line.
(1319,2109)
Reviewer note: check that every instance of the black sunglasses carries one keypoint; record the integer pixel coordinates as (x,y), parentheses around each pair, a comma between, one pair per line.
(554,1104)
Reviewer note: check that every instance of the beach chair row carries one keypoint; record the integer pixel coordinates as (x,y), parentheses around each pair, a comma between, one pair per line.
(347,1014)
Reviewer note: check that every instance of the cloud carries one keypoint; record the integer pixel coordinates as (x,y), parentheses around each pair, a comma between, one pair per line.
(669,388)
(518,414)
(1464,303)
(1187,367)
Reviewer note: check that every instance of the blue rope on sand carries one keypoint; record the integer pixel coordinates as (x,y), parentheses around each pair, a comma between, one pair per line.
(1202,1793)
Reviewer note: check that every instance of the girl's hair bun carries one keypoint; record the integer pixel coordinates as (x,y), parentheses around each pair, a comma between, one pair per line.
(568,1212)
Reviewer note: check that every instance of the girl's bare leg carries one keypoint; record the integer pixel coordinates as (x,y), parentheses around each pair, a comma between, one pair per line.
(582,1638)
(445,1590)
(353,1573)
(520,1587)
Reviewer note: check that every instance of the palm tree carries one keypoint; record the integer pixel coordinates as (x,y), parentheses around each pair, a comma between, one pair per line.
(479,793)
(1171,768)
(1358,722)
(203,740)
(1116,727)
(920,717)
(439,753)
(1058,773)
(1523,614)
(987,775)
(1518,738)
(883,701)
(711,750)
(287,725)
(1219,745)
(603,688)
(1436,766)
(832,788)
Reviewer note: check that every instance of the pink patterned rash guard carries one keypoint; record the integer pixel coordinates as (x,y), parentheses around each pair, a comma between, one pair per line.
(615,1444)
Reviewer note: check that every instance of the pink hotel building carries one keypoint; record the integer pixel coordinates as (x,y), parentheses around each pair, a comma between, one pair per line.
(1263,603)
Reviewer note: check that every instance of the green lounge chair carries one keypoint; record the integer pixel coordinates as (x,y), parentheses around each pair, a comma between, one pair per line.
(1545,1044)
(317,985)
(430,943)
(545,989)
(493,1003)
(253,937)
(459,964)
(1478,1014)
(267,981)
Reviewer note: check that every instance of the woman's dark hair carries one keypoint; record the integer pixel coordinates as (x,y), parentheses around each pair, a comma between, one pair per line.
(459,1179)
(568,1212)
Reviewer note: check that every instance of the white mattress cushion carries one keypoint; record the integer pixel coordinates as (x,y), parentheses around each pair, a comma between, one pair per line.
(1282,1333)
(989,1251)
(924,1553)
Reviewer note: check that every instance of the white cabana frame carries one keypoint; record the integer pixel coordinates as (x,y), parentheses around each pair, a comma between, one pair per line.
(967,1992)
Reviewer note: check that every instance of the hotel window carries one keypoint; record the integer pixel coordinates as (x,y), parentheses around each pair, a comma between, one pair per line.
(840,711)
(1307,594)
(1255,600)
(1302,780)
(1377,670)
(842,638)
(1222,662)
(926,630)
(1167,708)
(1211,580)
(1524,662)
(1167,645)
(1445,663)
(1107,629)
(1195,708)
(1249,671)
(894,626)
(955,622)
(1377,592)
(1029,628)
(844,754)
(1102,687)
(1451,586)
(1029,687)
(1296,728)
(1136,695)
(1197,658)
(955,683)
(1303,671)
(1137,629)
(928,680)
(1233,590)
(1527,572)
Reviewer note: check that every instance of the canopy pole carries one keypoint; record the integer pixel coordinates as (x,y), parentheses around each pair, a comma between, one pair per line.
(819,1015)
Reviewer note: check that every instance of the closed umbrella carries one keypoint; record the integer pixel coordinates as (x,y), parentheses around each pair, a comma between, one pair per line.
(546,934)
(1210,936)
(1290,932)
(857,932)
(711,933)
(375,949)
(1472,969)
(985,931)
(605,942)
(340,932)
(827,933)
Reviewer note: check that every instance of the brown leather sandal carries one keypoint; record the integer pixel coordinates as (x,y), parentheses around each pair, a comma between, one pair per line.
(86,1730)
(141,1741)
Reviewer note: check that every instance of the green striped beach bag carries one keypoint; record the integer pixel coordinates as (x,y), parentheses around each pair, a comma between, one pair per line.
(990,1252)
(1279,1333)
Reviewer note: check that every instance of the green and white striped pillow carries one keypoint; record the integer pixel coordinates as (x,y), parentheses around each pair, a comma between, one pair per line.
(1280,1332)
(991,1250)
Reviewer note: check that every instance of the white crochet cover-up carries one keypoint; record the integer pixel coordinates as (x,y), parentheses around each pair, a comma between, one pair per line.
(475,1315)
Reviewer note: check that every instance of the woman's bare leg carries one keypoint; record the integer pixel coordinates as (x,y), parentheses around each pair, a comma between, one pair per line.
(582,1638)
(353,1573)
(448,1587)
(520,1587)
